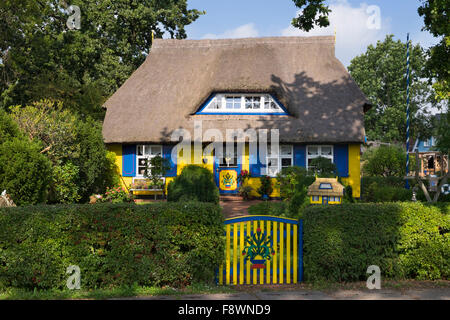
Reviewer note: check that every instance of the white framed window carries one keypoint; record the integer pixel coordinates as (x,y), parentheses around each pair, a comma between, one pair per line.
(252,102)
(284,159)
(229,159)
(269,103)
(426,143)
(316,151)
(144,153)
(233,102)
(325,186)
(242,103)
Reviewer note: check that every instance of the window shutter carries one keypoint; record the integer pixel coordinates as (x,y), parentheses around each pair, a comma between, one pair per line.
(254,165)
(340,158)
(129,160)
(300,156)
(256,169)
(167,154)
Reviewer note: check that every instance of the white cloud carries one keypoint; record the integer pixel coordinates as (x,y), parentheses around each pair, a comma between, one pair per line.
(245,31)
(424,38)
(353,34)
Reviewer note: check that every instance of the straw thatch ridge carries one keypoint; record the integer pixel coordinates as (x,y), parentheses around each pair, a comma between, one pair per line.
(336,191)
(164,93)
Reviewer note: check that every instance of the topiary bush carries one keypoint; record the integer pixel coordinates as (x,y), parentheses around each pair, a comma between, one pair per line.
(406,240)
(24,172)
(194,183)
(162,244)
(8,128)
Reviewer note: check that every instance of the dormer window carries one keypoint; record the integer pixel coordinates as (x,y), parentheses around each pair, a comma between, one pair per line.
(224,103)
(231,102)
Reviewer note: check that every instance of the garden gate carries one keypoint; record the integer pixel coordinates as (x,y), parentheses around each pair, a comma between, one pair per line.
(262,250)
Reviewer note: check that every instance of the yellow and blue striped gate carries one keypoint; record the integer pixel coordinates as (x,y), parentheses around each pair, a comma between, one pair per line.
(262,250)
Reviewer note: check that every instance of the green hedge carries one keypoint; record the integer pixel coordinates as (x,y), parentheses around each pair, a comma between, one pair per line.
(406,240)
(172,244)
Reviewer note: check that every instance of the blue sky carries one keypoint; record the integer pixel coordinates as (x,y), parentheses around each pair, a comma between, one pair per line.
(263,18)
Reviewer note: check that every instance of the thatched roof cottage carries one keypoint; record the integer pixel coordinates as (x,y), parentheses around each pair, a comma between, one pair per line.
(292,84)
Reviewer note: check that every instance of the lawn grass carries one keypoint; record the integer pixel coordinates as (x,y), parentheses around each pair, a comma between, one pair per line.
(101,294)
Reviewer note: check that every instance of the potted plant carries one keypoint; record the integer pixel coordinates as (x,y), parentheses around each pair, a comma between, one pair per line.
(266,187)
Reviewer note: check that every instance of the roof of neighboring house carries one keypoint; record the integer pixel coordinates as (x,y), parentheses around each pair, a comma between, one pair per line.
(178,76)
(336,191)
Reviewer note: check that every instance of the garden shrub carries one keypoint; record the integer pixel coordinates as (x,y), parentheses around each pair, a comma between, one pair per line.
(63,188)
(194,183)
(293,179)
(8,128)
(162,244)
(406,240)
(97,168)
(24,172)
(293,184)
(116,194)
(385,161)
(265,188)
(323,167)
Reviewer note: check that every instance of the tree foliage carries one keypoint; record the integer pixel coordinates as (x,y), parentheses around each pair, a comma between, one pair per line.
(8,128)
(436,19)
(41,58)
(443,133)
(380,72)
(313,13)
(51,124)
(24,172)
(81,165)
(385,161)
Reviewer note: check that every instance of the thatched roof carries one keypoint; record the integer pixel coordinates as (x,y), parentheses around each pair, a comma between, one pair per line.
(336,191)
(324,103)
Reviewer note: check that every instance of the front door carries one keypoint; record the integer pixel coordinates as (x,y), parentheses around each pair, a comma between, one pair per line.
(226,171)
(324,200)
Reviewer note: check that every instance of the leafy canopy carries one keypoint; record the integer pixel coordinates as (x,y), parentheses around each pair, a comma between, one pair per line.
(41,58)
(380,72)
(435,14)
(313,12)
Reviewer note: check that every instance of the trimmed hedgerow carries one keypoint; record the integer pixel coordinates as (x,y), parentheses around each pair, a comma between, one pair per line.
(173,244)
(406,240)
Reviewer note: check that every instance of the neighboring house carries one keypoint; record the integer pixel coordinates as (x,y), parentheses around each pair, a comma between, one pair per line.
(431,161)
(326,191)
(294,84)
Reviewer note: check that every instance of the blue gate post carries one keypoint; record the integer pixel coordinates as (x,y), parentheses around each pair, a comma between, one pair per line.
(300,251)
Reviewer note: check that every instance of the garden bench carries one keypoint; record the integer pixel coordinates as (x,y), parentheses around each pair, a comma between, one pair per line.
(156,191)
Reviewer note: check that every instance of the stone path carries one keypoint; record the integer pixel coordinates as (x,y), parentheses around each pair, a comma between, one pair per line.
(236,207)
(383,294)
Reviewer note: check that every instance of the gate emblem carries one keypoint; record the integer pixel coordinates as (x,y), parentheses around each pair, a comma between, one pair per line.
(258,249)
